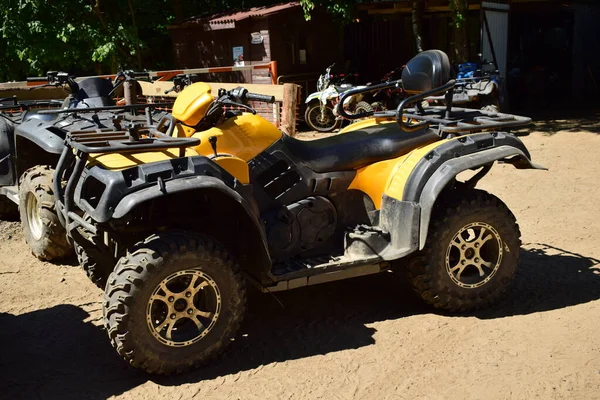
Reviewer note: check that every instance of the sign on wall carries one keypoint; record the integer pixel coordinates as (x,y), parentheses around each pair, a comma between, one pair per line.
(238,56)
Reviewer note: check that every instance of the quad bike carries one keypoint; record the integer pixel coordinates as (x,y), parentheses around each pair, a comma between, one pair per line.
(31,141)
(176,224)
(476,87)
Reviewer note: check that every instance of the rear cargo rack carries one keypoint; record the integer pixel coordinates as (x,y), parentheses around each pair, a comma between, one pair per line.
(461,120)
(446,120)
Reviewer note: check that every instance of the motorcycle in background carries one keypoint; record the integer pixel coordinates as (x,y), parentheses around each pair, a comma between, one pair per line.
(321,111)
(320,105)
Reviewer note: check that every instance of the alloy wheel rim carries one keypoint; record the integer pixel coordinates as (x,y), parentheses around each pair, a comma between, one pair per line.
(183,308)
(474,255)
(34,220)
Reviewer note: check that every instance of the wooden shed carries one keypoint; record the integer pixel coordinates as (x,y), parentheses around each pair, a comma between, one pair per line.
(276,33)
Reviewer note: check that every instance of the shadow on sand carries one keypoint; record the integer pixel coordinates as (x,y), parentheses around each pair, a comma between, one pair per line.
(58,353)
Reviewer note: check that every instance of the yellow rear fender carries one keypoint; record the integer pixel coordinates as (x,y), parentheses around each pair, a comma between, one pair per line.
(421,181)
(405,189)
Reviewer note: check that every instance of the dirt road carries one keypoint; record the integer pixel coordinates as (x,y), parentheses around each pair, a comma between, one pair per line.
(365,338)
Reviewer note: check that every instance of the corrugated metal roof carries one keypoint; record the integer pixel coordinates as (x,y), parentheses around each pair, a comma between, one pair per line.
(253,12)
(232,17)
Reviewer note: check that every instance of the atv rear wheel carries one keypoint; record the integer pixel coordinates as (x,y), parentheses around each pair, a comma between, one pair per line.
(471,255)
(96,271)
(41,227)
(173,302)
(321,123)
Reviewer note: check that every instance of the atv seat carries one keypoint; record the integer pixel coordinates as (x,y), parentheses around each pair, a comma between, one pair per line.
(358,148)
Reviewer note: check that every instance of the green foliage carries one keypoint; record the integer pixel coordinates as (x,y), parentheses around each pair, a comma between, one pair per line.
(341,9)
(93,36)
(77,35)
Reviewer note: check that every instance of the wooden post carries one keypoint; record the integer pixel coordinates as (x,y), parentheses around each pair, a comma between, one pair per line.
(290,103)
(273,71)
(130,91)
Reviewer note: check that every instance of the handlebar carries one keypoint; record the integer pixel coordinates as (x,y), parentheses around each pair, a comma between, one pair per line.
(37,79)
(260,97)
(134,74)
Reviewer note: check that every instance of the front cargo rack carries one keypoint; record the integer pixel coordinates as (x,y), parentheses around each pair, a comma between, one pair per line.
(133,139)
(80,144)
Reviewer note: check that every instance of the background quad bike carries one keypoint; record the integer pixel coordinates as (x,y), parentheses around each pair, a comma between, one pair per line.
(30,147)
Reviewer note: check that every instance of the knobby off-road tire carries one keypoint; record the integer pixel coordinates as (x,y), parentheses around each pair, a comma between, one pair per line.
(8,209)
(312,117)
(41,227)
(151,280)
(363,107)
(471,233)
(97,272)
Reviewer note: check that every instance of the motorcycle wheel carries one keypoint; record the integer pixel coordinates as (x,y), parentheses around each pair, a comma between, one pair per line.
(314,120)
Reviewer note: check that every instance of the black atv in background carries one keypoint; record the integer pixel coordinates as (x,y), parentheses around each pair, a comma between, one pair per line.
(32,139)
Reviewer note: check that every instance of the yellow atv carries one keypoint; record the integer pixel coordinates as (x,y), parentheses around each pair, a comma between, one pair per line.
(174,221)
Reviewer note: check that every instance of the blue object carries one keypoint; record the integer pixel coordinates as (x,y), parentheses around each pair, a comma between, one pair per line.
(466,70)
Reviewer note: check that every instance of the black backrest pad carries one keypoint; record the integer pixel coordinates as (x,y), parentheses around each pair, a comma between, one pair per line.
(94,87)
(427,70)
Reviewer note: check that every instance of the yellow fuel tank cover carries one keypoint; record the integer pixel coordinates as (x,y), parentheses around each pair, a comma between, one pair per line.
(192,103)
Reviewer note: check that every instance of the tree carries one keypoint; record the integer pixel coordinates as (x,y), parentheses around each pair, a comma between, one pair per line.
(460,10)
(418,8)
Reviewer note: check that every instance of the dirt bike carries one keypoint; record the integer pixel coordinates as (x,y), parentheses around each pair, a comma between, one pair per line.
(320,105)
(31,141)
(176,224)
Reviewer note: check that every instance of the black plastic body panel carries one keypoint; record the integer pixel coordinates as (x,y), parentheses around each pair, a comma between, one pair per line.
(115,186)
(281,178)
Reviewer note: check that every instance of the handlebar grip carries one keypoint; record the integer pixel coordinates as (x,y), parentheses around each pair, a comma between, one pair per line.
(37,79)
(260,97)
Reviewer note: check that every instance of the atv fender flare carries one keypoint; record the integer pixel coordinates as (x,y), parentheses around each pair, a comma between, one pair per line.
(447,172)
(133,200)
(202,183)
(44,139)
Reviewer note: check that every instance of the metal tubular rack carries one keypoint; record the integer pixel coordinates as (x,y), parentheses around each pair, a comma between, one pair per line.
(80,144)
(447,119)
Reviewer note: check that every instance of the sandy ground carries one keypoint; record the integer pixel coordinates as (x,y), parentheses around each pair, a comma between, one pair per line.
(365,338)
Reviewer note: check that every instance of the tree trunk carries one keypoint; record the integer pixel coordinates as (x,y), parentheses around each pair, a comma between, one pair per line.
(418,7)
(460,10)
(138,50)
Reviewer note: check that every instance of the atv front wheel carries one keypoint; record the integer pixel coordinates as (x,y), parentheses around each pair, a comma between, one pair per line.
(41,227)
(173,302)
(322,122)
(471,254)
